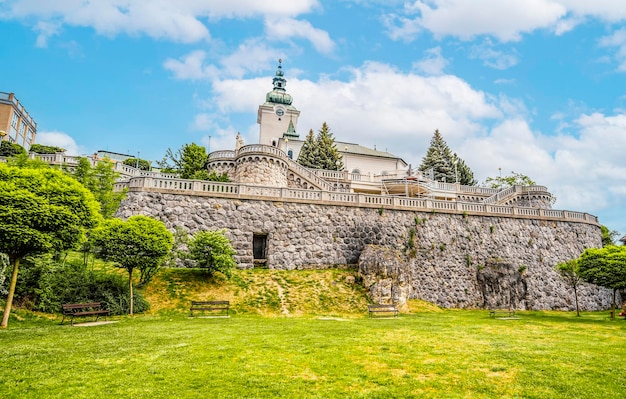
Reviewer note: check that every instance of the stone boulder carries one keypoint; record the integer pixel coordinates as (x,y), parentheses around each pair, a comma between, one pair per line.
(385,273)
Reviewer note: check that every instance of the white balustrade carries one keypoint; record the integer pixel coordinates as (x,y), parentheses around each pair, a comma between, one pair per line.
(233,190)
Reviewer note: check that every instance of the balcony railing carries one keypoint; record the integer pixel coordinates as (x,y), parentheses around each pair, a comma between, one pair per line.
(232,190)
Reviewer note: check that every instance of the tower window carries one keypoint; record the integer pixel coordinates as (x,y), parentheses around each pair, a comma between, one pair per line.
(290,154)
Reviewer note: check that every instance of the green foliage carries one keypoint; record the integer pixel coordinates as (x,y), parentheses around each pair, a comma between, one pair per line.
(42,210)
(137,163)
(514,179)
(308,153)
(446,166)
(608,236)
(139,243)
(604,266)
(321,152)
(8,149)
(45,149)
(213,176)
(570,272)
(44,285)
(213,252)
(100,180)
(190,161)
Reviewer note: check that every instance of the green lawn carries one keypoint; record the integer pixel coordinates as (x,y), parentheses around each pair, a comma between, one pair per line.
(446,354)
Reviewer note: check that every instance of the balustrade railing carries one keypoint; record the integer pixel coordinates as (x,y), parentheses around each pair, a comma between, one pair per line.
(233,190)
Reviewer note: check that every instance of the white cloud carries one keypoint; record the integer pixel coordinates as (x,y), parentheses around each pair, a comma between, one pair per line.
(433,63)
(191,66)
(491,57)
(288,29)
(504,20)
(406,111)
(45,31)
(59,139)
(617,39)
(164,19)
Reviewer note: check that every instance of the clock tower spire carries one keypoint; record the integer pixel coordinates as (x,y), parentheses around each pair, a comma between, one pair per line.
(277,116)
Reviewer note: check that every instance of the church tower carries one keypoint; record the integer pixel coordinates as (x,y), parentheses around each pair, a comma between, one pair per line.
(277,117)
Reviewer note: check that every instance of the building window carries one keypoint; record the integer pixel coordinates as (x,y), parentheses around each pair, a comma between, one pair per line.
(14,120)
(290,154)
(356,171)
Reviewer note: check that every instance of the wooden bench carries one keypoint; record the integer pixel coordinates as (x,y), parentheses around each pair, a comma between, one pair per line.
(210,306)
(382,310)
(72,310)
(501,313)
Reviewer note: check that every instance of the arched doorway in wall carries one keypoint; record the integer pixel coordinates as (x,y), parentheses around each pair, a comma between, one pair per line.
(259,249)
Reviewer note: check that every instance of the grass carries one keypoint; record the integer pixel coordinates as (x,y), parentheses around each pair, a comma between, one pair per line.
(431,354)
(305,334)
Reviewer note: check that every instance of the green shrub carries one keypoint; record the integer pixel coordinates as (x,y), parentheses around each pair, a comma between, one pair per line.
(45,149)
(45,285)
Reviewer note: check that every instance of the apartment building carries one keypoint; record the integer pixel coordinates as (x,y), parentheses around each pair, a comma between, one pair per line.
(16,125)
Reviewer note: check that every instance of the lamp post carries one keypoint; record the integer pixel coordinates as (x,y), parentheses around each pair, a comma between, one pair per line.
(2,134)
(456,173)
(137,161)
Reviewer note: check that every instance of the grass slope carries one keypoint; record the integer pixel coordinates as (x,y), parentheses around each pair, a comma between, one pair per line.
(259,291)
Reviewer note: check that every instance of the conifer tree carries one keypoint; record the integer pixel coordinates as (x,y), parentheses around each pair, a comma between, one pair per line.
(329,157)
(307,156)
(441,160)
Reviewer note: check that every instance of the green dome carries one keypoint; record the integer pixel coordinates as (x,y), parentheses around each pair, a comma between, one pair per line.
(279,95)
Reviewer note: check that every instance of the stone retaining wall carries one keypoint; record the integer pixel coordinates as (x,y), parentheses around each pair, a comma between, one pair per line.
(446,253)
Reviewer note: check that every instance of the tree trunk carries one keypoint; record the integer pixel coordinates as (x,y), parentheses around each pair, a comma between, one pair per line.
(613,305)
(130,286)
(7,309)
(576,298)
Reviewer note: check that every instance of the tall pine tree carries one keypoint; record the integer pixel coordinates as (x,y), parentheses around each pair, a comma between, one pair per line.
(328,155)
(308,152)
(442,161)
(320,152)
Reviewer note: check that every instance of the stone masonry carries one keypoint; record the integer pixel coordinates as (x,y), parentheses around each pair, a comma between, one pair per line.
(451,259)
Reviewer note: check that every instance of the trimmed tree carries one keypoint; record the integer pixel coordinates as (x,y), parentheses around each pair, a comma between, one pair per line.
(213,252)
(570,272)
(446,166)
(139,243)
(42,210)
(606,267)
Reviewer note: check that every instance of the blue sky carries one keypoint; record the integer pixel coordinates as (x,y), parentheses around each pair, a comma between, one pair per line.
(532,86)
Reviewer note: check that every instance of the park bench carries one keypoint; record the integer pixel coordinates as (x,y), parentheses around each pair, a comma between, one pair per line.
(217,307)
(72,310)
(501,312)
(382,310)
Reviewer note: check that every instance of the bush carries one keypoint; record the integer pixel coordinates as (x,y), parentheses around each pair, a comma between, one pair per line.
(213,252)
(45,149)
(45,285)
(8,149)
